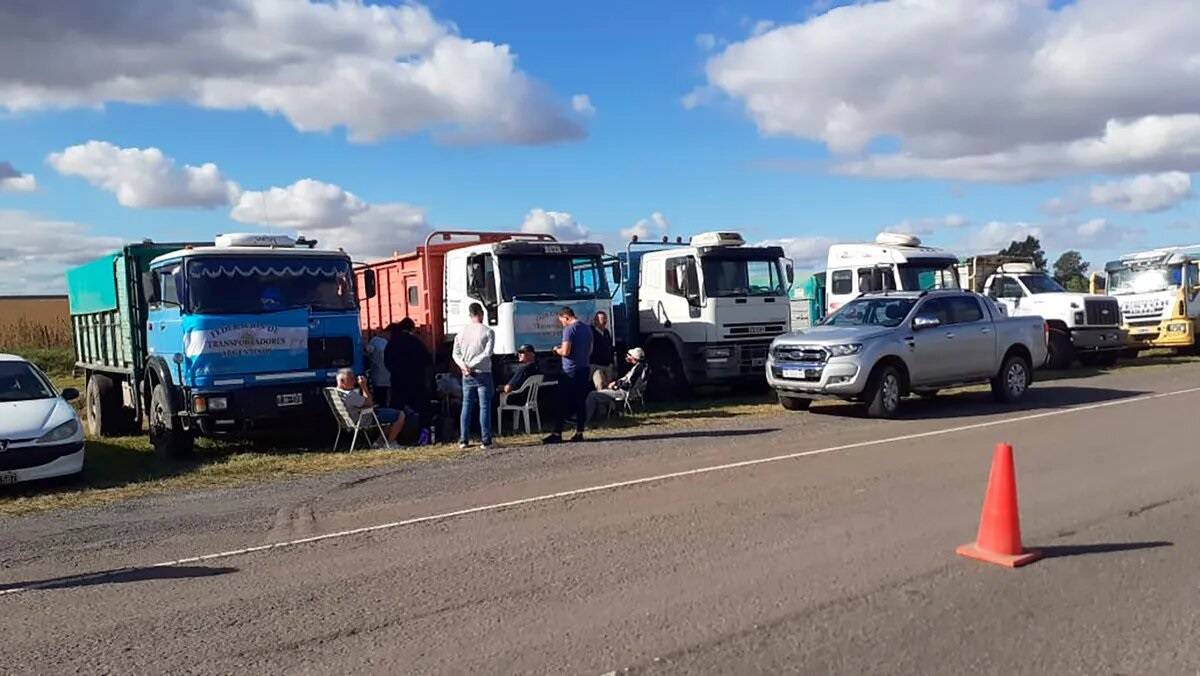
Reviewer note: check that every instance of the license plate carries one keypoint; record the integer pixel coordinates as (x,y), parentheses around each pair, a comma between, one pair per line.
(289,399)
(7,478)
(802,374)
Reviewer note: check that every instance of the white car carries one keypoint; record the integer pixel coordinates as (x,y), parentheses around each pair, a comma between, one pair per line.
(40,433)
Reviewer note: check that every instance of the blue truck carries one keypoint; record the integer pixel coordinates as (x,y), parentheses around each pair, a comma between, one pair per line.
(216,339)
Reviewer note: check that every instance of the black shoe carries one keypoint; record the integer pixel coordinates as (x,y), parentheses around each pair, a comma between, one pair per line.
(553,439)
(577,438)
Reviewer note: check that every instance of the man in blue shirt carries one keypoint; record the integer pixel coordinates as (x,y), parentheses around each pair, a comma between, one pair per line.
(576,351)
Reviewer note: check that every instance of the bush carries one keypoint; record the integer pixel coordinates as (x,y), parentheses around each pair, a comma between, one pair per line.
(57,362)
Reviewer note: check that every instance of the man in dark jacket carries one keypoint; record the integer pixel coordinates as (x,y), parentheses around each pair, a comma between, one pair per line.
(603,365)
(526,366)
(408,361)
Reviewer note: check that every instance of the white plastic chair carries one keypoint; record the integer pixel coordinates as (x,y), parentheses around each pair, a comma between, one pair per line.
(523,410)
(366,421)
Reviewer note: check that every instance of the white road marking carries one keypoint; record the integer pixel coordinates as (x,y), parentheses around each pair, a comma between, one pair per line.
(499,506)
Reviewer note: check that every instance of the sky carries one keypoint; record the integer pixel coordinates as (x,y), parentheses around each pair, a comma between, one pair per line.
(969,123)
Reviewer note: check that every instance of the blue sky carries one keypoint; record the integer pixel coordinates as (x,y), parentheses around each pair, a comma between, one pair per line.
(743,157)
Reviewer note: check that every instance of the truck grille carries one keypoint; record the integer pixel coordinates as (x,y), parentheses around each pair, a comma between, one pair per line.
(801,353)
(1102,312)
(330,353)
(767,330)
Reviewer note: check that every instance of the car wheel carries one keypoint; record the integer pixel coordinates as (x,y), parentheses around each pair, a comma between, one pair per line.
(795,403)
(884,394)
(1012,382)
(167,435)
(1062,352)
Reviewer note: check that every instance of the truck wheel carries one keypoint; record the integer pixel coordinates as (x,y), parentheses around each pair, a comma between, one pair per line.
(103,406)
(667,379)
(167,435)
(795,403)
(883,393)
(1062,352)
(1012,382)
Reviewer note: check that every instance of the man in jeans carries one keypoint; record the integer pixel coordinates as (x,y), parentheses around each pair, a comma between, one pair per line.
(576,351)
(473,355)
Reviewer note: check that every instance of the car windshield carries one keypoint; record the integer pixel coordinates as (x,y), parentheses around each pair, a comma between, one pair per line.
(1142,280)
(251,285)
(552,278)
(872,312)
(19,381)
(725,277)
(928,274)
(1041,284)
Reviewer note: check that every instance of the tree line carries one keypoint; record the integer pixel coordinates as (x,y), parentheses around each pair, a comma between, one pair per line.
(1070,269)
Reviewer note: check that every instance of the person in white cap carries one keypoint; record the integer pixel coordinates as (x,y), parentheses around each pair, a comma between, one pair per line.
(618,390)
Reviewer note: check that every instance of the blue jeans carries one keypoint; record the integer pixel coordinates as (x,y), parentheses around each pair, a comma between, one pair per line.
(477,390)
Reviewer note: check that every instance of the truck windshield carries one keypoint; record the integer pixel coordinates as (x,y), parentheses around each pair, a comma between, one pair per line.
(1041,284)
(256,284)
(552,278)
(1143,280)
(20,382)
(725,277)
(872,312)
(928,274)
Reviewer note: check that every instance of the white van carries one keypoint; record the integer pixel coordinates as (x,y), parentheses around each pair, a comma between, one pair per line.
(893,262)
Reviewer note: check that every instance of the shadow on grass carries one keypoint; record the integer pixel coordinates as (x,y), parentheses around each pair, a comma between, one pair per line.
(1060,551)
(968,404)
(121,576)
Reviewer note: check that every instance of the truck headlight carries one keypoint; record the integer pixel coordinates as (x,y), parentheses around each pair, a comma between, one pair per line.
(1080,318)
(718,353)
(845,350)
(1177,327)
(61,433)
(218,404)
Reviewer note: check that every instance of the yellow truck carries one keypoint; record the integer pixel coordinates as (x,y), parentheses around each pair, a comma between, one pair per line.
(1159,294)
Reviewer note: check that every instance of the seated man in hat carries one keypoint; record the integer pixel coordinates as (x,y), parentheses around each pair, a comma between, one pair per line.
(618,390)
(526,366)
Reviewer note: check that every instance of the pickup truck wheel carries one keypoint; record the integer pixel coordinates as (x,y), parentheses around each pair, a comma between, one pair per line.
(167,435)
(884,393)
(1012,382)
(1062,352)
(794,403)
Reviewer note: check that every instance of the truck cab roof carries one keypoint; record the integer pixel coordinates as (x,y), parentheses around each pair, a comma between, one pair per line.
(888,248)
(291,252)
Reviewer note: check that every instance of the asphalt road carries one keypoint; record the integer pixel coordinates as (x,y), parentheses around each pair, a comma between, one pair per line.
(792,542)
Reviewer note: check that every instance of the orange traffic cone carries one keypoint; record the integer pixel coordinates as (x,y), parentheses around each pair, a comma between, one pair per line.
(999,538)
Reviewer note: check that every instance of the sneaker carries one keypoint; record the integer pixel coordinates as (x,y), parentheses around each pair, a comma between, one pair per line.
(487,446)
(553,439)
(577,438)
(463,445)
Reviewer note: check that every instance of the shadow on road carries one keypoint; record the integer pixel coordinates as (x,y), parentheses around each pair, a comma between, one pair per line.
(968,404)
(122,576)
(1058,551)
(696,434)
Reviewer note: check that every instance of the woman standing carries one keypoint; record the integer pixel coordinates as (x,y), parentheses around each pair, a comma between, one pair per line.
(602,364)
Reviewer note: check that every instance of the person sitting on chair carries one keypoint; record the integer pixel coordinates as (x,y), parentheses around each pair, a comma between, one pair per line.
(356,395)
(526,366)
(618,390)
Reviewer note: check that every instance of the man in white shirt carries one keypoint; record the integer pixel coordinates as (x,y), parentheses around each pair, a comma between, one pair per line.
(473,354)
(381,378)
(357,396)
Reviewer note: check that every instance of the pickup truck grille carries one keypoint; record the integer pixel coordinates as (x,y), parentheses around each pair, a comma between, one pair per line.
(1102,312)
(801,353)
(330,353)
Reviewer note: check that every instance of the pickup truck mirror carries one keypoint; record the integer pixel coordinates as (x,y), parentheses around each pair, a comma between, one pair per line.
(370,284)
(923,322)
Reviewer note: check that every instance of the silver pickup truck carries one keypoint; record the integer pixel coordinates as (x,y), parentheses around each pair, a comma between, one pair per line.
(880,347)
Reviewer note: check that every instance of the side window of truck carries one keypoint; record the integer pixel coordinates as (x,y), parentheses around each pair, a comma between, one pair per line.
(843,282)
(1006,287)
(168,280)
(964,310)
(673,274)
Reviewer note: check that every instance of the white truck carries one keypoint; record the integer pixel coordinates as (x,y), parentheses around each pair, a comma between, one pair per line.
(893,262)
(1159,295)
(705,311)
(1080,325)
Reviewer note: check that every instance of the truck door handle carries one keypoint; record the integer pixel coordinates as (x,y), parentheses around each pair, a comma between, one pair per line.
(949,335)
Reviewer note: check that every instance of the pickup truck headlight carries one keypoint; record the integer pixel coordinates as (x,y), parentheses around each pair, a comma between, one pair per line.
(845,350)
(61,433)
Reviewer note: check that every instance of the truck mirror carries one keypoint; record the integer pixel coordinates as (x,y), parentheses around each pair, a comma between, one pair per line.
(789,270)
(369,284)
(923,322)
(150,290)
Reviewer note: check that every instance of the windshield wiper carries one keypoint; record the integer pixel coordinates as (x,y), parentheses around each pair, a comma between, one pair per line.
(523,296)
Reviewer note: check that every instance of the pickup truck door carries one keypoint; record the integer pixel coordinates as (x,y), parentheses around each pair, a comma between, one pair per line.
(973,345)
(930,361)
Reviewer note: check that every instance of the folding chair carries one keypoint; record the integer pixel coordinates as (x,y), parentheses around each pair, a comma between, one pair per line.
(366,421)
(530,389)
(637,394)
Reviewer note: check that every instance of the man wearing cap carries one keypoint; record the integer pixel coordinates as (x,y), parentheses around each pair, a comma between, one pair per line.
(618,390)
(526,366)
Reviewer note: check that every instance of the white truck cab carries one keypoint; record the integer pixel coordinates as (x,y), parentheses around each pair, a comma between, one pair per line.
(1159,294)
(893,262)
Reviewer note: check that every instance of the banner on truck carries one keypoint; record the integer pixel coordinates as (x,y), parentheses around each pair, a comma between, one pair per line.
(537,323)
(240,344)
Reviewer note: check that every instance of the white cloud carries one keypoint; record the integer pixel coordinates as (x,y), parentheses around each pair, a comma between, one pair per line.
(808,253)
(335,217)
(12,180)
(36,252)
(929,226)
(1005,90)
(145,177)
(375,70)
(995,235)
(1144,193)
(582,104)
(560,224)
(652,228)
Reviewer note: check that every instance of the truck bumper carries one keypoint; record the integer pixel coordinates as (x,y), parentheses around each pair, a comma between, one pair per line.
(267,407)
(1098,339)
(837,378)
(1169,333)
(730,362)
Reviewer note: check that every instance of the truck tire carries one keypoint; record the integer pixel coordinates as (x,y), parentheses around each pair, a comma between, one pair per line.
(1012,382)
(794,403)
(167,435)
(883,392)
(103,402)
(667,379)
(1062,352)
